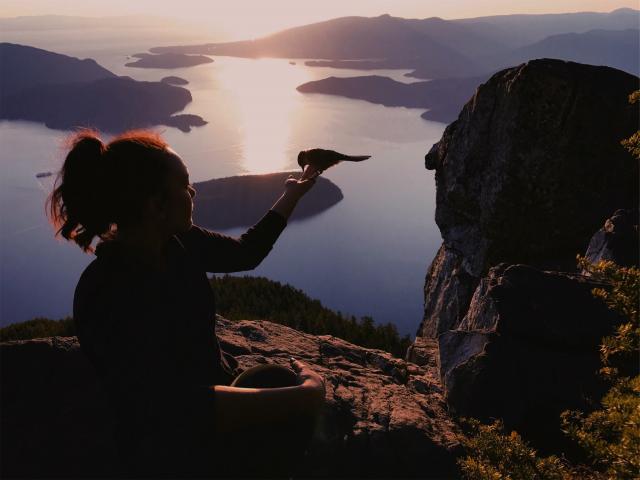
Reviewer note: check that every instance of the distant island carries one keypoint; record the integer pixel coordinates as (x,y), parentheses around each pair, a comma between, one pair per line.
(434,48)
(167,60)
(242,200)
(171,80)
(444,98)
(63,92)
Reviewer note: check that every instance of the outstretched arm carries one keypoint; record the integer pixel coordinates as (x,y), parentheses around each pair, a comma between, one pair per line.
(220,253)
(294,190)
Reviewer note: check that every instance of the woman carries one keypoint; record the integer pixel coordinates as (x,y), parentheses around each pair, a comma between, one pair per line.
(145,314)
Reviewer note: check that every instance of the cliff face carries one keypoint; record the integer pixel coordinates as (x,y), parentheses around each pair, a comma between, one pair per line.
(530,169)
(527,350)
(383,416)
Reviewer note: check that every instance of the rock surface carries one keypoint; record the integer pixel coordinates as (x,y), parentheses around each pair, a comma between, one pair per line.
(383,416)
(527,349)
(527,178)
(617,240)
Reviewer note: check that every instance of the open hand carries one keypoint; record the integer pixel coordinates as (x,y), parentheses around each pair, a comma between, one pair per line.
(308,377)
(298,187)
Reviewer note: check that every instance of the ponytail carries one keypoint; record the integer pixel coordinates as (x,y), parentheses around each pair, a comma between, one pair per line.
(105,186)
(76,206)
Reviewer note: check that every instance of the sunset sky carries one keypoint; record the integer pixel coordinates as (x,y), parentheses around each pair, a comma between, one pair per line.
(243,18)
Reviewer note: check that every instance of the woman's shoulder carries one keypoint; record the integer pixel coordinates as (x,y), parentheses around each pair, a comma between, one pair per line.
(101,283)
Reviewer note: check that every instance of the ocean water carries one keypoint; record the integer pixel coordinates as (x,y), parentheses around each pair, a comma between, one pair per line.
(368,255)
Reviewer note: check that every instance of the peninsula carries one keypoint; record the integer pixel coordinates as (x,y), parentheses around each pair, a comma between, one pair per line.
(167,60)
(444,98)
(171,80)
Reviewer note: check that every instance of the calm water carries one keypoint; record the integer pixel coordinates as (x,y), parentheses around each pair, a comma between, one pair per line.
(366,256)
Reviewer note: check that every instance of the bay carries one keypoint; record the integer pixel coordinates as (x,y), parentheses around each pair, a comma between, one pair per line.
(368,255)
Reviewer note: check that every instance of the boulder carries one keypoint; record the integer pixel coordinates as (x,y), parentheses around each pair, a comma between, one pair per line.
(617,240)
(530,169)
(383,415)
(527,349)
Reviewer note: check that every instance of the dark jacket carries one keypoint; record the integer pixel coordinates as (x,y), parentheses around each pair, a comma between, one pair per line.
(151,335)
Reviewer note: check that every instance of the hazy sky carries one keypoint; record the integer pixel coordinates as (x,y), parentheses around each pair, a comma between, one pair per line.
(257,17)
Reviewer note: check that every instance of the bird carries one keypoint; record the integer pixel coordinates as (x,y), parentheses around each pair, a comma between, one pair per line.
(320,159)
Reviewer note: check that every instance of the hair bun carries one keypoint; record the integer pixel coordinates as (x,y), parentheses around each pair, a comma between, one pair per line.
(83,164)
(88,146)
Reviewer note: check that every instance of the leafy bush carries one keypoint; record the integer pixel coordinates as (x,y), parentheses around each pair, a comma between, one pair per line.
(620,350)
(611,435)
(632,144)
(38,328)
(495,455)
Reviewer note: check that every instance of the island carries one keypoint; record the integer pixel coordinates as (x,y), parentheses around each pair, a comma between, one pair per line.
(444,97)
(241,201)
(63,92)
(171,80)
(167,60)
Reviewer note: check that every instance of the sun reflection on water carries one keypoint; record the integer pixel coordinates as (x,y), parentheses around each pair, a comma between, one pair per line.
(264,93)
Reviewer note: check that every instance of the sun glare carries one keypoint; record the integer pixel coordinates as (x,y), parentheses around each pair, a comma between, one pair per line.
(264,93)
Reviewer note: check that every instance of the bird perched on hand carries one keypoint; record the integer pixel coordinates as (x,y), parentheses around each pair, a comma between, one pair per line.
(319,159)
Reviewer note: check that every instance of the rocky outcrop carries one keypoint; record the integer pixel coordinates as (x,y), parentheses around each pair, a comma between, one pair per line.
(530,169)
(527,349)
(383,416)
(617,240)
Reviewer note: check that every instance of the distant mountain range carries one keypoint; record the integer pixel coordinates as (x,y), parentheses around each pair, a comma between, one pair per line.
(64,92)
(613,48)
(437,48)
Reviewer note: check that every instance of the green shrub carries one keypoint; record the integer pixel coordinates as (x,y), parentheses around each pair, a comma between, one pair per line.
(611,435)
(494,455)
(632,144)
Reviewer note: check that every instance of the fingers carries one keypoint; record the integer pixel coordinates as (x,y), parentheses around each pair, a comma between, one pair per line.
(297,365)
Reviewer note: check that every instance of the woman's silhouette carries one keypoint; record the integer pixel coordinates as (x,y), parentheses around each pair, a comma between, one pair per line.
(145,315)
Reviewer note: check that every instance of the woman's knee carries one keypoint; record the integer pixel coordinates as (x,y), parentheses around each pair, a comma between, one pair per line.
(266,376)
